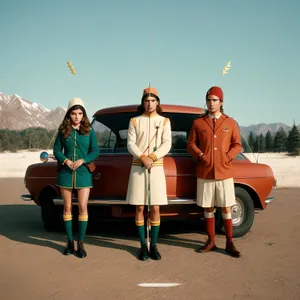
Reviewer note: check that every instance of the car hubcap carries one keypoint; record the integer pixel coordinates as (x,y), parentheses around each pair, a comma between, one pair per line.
(237,213)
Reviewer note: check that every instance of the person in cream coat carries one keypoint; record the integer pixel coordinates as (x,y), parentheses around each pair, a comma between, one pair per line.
(149,140)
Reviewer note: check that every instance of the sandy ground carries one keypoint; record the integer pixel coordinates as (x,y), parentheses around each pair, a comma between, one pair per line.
(285,168)
(32,266)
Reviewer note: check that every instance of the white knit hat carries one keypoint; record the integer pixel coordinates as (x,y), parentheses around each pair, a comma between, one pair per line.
(75,101)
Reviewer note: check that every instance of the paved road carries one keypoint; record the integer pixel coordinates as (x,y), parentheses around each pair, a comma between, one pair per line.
(32,266)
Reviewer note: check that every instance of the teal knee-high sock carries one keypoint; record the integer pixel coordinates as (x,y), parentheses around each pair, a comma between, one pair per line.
(82,225)
(141,231)
(68,226)
(154,231)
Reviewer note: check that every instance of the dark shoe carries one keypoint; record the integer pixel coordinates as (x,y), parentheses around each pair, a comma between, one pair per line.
(80,250)
(209,246)
(143,253)
(154,254)
(69,248)
(230,249)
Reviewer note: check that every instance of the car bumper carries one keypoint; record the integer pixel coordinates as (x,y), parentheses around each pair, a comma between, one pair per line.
(95,201)
(26,197)
(270,198)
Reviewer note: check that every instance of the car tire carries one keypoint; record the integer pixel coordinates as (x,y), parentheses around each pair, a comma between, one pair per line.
(50,213)
(242,214)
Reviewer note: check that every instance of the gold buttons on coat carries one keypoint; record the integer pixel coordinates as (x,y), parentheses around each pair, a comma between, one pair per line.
(215,136)
(215,148)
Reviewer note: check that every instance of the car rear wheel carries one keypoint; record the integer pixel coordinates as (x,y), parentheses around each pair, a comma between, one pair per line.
(242,214)
(50,213)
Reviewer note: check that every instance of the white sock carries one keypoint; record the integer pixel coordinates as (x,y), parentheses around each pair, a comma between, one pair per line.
(208,215)
(226,216)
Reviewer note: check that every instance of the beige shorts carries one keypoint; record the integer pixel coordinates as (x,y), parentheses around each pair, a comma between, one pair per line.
(219,193)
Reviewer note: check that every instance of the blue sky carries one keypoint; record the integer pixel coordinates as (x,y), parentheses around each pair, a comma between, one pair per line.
(117,47)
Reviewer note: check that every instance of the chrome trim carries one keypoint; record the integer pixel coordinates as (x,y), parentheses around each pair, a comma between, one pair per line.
(128,154)
(26,197)
(34,177)
(182,201)
(269,200)
(59,201)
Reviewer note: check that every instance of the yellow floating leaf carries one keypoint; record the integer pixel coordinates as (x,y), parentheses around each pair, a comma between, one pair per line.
(226,68)
(71,67)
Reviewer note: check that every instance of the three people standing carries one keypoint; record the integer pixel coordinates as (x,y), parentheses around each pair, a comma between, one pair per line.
(214,141)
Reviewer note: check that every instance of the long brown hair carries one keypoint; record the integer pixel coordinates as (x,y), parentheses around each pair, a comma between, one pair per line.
(141,108)
(66,126)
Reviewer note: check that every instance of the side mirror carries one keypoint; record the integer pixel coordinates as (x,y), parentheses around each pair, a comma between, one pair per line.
(44,156)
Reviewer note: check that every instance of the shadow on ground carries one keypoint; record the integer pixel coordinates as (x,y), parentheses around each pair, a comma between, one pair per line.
(23,224)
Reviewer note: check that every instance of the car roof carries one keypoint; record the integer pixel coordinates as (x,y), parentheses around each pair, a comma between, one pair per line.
(167,108)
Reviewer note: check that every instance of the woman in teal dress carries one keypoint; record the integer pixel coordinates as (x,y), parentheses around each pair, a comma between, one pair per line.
(75,146)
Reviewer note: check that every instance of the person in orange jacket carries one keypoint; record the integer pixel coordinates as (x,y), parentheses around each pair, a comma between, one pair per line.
(214,141)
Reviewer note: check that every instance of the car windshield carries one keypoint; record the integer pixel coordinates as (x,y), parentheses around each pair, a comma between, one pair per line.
(111,132)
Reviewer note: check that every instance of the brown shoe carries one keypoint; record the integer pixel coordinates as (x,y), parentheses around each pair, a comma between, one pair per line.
(230,249)
(209,246)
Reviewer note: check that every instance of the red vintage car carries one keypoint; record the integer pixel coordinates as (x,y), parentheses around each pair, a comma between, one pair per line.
(253,182)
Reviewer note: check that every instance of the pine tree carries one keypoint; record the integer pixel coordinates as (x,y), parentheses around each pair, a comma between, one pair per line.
(261,145)
(280,141)
(252,141)
(245,146)
(4,138)
(293,141)
(269,141)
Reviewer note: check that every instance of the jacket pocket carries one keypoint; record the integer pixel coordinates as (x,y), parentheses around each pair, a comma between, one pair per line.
(204,160)
(228,161)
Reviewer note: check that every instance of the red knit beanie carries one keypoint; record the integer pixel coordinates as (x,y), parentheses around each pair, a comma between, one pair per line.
(216,91)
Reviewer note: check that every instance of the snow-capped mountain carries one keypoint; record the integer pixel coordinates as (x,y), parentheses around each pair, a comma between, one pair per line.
(17,113)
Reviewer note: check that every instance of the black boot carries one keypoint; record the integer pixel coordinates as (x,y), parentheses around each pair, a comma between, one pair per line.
(69,248)
(230,249)
(143,253)
(154,254)
(81,253)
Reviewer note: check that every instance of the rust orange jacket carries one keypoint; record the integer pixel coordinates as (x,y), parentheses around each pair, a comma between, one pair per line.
(219,142)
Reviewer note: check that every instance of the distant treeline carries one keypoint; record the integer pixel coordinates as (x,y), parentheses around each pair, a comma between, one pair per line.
(40,138)
(30,138)
(278,142)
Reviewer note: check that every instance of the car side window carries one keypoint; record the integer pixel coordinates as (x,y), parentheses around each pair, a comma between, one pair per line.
(105,137)
(179,142)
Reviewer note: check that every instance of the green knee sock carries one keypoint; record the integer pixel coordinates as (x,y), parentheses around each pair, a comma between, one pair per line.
(68,226)
(82,225)
(141,231)
(154,231)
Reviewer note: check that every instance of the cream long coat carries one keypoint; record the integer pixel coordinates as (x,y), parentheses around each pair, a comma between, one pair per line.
(142,130)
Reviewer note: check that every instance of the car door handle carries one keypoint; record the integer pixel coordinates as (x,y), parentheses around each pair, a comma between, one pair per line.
(98,175)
